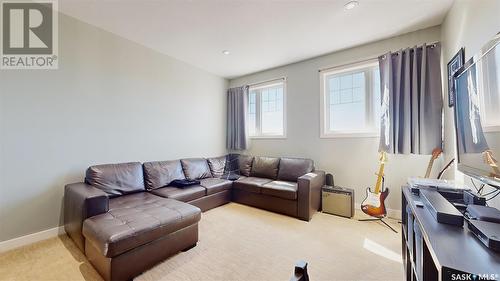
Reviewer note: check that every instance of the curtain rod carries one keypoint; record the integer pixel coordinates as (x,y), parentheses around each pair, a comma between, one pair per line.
(267,81)
(431,45)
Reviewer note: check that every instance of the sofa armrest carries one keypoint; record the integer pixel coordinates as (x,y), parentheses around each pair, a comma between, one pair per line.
(82,201)
(309,194)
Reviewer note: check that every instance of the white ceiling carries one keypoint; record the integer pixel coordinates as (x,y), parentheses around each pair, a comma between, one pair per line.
(260,34)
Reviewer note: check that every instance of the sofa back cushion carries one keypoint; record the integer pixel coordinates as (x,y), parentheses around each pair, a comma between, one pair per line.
(162,173)
(293,168)
(245,163)
(217,166)
(116,179)
(196,168)
(265,167)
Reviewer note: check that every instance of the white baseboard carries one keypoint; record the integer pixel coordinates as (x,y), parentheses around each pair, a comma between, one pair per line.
(31,238)
(394,214)
(391,213)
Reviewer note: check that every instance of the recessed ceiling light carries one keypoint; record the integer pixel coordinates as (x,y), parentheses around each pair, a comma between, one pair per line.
(351,5)
(226,52)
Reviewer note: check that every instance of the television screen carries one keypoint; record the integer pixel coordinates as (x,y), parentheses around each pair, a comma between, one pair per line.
(477,115)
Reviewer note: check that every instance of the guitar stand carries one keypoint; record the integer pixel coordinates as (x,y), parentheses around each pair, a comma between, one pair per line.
(381,220)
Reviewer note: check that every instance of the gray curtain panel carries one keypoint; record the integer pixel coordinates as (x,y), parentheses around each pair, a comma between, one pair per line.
(237,136)
(412,102)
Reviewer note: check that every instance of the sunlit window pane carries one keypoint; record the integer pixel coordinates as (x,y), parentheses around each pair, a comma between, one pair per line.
(266,111)
(347,117)
(279,94)
(352,101)
(358,80)
(251,124)
(272,119)
(346,96)
(252,103)
(334,83)
(358,94)
(335,97)
(252,110)
(346,82)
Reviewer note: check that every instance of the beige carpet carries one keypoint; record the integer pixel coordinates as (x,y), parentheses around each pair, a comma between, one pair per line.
(240,243)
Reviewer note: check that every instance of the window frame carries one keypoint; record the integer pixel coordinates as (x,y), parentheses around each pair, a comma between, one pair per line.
(258,109)
(325,131)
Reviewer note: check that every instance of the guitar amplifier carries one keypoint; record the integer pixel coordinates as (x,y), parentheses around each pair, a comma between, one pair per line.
(338,201)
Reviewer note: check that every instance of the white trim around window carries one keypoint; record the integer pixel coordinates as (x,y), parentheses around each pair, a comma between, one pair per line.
(258,109)
(370,129)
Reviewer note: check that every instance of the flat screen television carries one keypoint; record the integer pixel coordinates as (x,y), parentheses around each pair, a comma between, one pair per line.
(477,114)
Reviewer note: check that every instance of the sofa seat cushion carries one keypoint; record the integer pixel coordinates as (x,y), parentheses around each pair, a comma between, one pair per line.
(250,184)
(185,194)
(136,219)
(281,189)
(214,185)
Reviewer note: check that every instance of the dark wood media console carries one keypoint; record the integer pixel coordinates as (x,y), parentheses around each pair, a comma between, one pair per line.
(436,251)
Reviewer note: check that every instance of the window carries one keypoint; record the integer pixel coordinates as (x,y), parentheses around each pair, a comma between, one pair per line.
(488,90)
(350,101)
(266,115)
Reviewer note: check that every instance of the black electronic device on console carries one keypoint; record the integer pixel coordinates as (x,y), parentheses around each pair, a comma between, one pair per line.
(440,208)
(487,232)
(471,197)
(483,213)
(484,223)
(449,194)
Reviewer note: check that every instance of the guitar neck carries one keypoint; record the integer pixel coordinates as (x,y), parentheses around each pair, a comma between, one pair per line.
(429,168)
(380,177)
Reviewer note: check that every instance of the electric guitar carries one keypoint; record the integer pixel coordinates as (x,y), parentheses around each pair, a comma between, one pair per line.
(374,203)
(435,154)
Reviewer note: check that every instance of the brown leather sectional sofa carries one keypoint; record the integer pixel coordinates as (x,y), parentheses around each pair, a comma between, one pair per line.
(127,217)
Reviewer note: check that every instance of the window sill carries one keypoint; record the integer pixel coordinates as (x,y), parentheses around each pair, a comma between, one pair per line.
(350,135)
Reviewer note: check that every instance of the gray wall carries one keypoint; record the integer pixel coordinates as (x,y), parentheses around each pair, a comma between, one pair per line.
(353,161)
(469,24)
(111,100)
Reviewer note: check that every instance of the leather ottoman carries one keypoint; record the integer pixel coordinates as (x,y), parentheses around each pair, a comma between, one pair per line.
(137,232)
